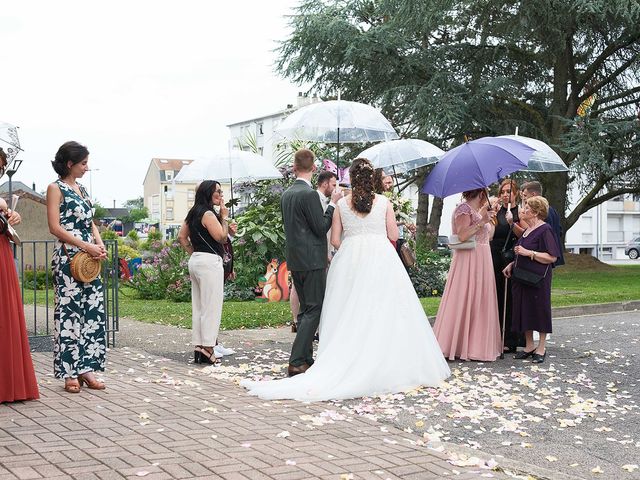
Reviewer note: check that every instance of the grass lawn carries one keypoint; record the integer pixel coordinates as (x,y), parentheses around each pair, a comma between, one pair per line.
(571,286)
(620,283)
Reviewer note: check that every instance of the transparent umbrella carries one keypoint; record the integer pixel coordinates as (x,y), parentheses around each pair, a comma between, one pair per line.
(233,166)
(337,121)
(9,141)
(544,159)
(402,155)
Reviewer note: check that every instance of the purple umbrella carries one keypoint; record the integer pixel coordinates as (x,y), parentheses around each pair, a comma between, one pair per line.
(476,164)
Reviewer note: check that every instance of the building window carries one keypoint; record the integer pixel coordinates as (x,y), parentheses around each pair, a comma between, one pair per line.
(191,194)
(169,213)
(155,206)
(168,194)
(259,130)
(169,174)
(615,236)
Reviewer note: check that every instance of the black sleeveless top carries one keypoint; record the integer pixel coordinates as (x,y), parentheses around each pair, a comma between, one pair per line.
(201,239)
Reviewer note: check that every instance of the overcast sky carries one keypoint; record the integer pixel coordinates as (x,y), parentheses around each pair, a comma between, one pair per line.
(135,79)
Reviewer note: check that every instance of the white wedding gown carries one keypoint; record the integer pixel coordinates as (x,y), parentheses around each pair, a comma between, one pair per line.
(374,335)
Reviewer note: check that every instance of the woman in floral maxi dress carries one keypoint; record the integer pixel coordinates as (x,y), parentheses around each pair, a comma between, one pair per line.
(80,342)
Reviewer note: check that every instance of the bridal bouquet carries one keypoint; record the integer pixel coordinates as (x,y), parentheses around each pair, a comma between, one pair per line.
(401,206)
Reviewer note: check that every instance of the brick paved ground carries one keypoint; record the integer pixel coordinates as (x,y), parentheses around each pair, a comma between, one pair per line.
(161,419)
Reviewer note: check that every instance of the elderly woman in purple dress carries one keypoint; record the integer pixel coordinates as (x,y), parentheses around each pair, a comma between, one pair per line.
(535,251)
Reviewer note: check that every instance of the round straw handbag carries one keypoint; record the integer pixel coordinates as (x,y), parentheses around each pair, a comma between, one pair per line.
(84,268)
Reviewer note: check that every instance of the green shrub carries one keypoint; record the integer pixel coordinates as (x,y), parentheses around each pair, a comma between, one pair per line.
(164,275)
(180,290)
(260,235)
(133,235)
(149,248)
(154,236)
(233,291)
(430,273)
(127,252)
(109,235)
(38,279)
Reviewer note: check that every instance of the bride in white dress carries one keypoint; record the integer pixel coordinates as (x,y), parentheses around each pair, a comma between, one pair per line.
(370,309)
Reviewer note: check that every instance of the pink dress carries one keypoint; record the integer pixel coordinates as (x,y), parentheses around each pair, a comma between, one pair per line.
(467,324)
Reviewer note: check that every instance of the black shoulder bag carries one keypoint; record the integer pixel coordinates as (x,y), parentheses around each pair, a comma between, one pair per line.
(507,254)
(527,277)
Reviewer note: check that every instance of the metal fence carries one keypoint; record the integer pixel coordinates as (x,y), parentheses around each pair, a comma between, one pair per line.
(33,259)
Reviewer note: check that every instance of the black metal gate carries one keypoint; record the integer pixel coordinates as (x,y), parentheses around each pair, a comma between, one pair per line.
(36,277)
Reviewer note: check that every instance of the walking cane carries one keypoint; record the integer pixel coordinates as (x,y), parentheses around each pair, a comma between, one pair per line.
(504,315)
(506,284)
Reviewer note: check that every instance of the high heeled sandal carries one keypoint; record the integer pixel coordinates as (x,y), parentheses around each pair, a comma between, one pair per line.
(72,387)
(206,357)
(93,384)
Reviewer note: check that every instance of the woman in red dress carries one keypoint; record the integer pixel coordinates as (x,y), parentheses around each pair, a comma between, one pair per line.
(17,378)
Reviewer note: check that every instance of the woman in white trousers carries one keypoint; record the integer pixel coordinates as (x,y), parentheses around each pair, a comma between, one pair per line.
(202,235)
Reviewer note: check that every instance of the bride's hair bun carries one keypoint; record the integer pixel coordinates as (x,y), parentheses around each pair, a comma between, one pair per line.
(361,176)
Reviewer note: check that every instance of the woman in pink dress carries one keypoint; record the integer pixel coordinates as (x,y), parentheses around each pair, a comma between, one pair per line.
(467,324)
(17,377)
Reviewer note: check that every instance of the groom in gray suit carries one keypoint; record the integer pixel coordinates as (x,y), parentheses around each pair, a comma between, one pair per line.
(306,227)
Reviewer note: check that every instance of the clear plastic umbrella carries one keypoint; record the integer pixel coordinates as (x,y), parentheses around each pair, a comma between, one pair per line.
(544,159)
(402,155)
(9,141)
(233,166)
(337,121)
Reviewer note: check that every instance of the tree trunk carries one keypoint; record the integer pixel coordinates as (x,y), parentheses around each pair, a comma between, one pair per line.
(555,191)
(422,214)
(433,226)
(556,184)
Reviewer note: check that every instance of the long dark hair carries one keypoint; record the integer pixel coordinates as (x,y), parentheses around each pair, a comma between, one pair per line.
(361,176)
(378,175)
(202,202)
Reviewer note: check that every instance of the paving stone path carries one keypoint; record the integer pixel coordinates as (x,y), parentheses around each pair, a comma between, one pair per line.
(160,419)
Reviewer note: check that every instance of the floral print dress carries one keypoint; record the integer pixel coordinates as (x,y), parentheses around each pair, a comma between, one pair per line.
(79,318)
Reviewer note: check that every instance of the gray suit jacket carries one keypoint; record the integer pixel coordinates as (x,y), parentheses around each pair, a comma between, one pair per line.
(306,227)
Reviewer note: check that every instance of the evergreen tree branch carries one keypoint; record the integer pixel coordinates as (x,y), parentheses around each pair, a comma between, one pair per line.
(614,106)
(626,93)
(609,78)
(595,65)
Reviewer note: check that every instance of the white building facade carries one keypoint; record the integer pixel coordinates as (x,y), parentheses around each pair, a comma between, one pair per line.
(604,230)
